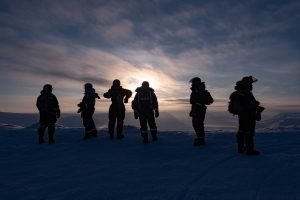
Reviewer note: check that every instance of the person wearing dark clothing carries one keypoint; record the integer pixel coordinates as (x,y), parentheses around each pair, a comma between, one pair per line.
(87,109)
(145,108)
(243,103)
(48,107)
(199,98)
(118,96)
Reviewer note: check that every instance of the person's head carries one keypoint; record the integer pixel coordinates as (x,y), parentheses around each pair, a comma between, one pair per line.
(47,88)
(145,84)
(116,83)
(88,86)
(246,83)
(196,82)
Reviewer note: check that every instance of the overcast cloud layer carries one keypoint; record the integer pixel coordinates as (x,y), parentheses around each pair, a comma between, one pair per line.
(67,43)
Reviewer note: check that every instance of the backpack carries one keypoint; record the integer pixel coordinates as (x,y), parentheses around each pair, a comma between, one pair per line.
(234,104)
(208,98)
(47,103)
(145,99)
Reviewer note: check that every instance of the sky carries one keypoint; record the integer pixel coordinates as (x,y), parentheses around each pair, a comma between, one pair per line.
(168,42)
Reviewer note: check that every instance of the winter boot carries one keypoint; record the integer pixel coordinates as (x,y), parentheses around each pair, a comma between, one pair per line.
(87,135)
(120,136)
(199,142)
(145,140)
(94,133)
(154,135)
(145,137)
(250,151)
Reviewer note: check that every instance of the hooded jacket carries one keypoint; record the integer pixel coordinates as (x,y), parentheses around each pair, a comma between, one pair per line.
(87,105)
(145,100)
(118,95)
(200,97)
(47,104)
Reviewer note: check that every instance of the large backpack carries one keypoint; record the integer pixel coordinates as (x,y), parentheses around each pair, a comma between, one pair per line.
(208,98)
(234,104)
(48,103)
(145,100)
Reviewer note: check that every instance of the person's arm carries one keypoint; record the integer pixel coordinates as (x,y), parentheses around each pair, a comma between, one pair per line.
(134,106)
(57,107)
(128,94)
(155,105)
(108,94)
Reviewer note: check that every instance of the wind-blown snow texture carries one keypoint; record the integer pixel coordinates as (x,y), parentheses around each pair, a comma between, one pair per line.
(128,169)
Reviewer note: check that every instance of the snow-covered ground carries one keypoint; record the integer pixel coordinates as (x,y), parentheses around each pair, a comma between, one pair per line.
(171,168)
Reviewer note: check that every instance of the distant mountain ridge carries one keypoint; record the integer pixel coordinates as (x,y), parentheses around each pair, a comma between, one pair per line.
(287,121)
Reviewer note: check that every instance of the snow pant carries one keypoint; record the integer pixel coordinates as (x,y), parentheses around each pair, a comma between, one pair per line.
(148,118)
(47,121)
(198,123)
(51,130)
(246,132)
(88,123)
(116,114)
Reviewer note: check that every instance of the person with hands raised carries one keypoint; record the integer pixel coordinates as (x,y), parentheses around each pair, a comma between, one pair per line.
(118,96)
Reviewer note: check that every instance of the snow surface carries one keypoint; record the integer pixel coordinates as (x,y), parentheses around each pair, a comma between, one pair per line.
(171,168)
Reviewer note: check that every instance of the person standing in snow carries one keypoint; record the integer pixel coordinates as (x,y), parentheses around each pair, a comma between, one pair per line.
(243,103)
(118,96)
(49,111)
(145,108)
(199,98)
(87,109)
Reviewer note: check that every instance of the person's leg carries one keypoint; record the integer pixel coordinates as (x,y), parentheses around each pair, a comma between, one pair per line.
(42,128)
(93,130)
(143,124)
(199,129)
(120,122)
(51,130)
(249,143)
(152,126)
(86,119)
(41,132)
(111,124)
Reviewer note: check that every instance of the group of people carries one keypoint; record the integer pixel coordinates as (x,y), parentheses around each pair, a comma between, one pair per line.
(145,106)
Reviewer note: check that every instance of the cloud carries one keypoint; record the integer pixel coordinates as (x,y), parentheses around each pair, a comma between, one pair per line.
(69,43)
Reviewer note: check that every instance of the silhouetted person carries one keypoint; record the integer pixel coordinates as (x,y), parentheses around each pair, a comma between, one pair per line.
(243,103)
(199,98)
(145,108)
(48,107)
(118,96)
(87,109)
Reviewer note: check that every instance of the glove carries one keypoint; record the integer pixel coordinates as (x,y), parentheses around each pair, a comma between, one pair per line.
(136,115)
(156,113)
